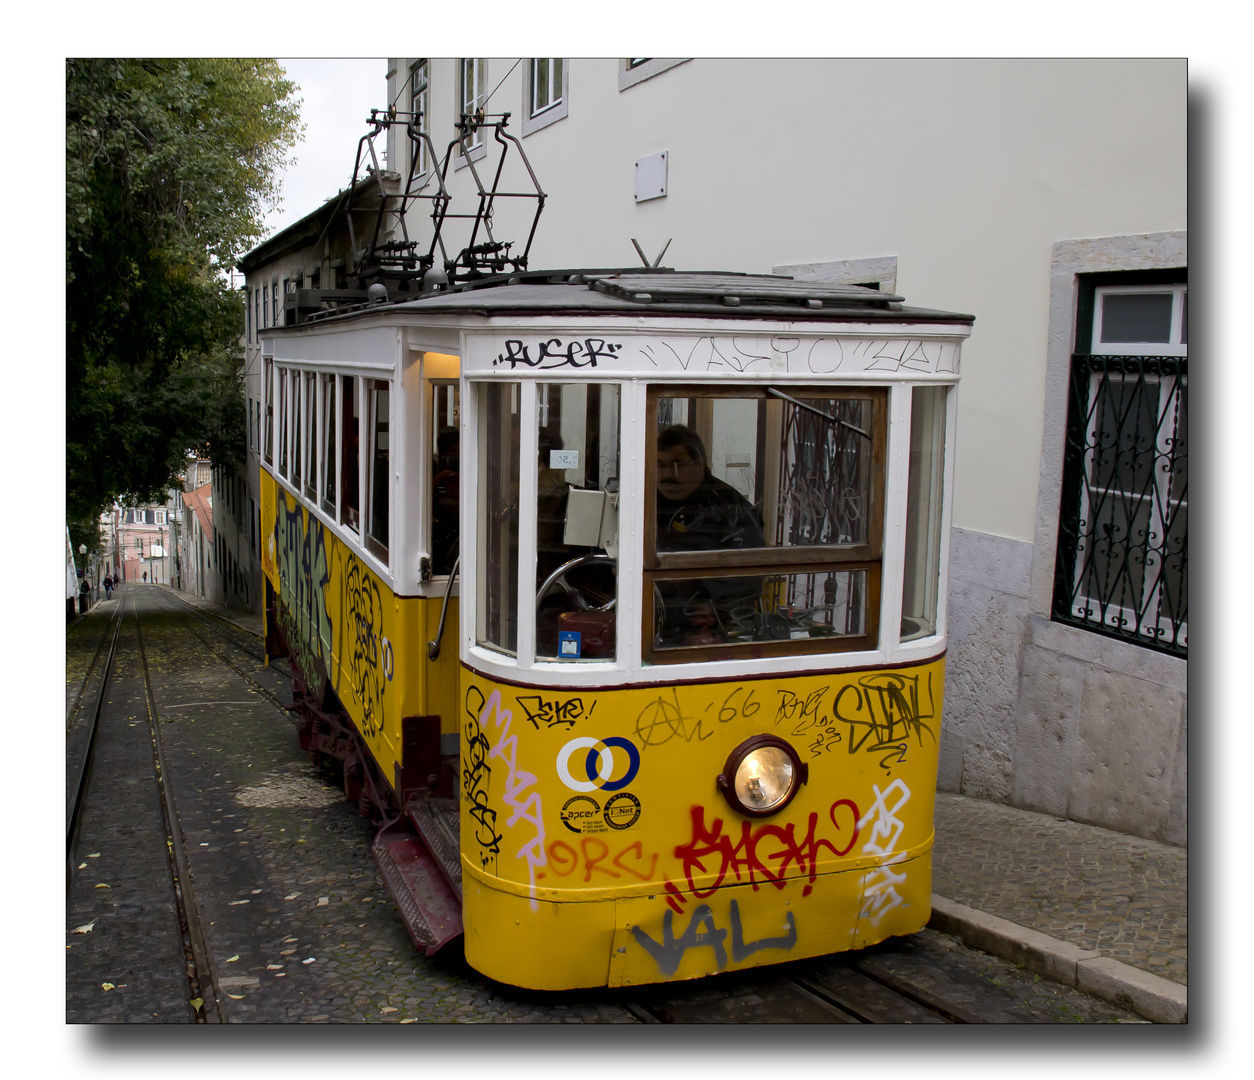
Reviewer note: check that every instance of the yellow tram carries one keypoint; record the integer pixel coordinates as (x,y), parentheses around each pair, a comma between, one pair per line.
(620,598)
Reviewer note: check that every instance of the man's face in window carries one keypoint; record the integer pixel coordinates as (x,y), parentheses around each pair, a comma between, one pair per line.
(679,474)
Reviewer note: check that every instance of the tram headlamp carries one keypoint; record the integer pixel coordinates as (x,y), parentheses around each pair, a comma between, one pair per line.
(762,775)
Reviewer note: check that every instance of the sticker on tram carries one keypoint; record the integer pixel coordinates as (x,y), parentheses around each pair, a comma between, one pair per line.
(582,814)
(601,768)
(622,811)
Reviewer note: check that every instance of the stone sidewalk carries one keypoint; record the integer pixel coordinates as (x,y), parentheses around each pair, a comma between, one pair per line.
(1094,888)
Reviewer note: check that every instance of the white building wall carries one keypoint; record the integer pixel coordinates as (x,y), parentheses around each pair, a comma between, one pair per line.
(980,186)
(966,171)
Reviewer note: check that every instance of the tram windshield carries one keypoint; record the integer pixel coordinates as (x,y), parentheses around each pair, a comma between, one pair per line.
(768,523)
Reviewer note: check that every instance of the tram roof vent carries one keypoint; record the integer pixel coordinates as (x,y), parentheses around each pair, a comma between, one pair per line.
(732,290)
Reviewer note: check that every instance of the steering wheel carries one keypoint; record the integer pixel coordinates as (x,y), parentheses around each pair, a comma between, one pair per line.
(558,577)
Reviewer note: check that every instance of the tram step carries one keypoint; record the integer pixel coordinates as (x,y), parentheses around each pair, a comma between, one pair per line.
(432,911)
(439,825)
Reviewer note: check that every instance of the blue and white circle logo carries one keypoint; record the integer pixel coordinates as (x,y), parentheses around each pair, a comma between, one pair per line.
(600,768)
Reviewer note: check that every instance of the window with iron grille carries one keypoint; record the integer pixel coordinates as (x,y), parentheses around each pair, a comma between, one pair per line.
(1122,567)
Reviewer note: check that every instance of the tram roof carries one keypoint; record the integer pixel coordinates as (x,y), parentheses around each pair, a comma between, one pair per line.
(626,292)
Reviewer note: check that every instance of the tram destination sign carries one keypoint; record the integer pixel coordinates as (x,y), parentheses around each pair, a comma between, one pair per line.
(695,354)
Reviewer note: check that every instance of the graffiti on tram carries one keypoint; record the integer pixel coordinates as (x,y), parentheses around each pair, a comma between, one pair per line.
(304,574)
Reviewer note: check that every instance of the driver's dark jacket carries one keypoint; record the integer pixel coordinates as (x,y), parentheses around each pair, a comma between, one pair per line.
(715,517)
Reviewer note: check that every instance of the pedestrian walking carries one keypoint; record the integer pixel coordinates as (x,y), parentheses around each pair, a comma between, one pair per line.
(145,577)
(108,584)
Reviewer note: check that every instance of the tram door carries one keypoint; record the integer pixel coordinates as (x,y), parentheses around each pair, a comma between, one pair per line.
(442,407)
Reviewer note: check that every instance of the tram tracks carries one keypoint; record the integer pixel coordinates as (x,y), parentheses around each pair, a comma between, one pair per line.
(93,814)
(829,990)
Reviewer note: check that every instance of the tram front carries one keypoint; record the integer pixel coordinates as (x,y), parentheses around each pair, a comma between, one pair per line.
(702,622)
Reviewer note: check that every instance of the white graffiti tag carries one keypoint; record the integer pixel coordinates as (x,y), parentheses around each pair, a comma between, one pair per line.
(528,810)
(880,895)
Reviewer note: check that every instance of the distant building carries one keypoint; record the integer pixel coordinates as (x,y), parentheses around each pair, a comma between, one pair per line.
(196,552)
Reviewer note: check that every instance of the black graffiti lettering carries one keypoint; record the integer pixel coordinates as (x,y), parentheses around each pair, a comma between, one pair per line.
(670,950)
(886,708)
(551,713)
(663,719)
(476,773)
(515,354)
(554,353)
(803,711)
(742,949)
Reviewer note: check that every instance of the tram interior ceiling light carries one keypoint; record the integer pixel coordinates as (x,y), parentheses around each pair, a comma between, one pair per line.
(762,775)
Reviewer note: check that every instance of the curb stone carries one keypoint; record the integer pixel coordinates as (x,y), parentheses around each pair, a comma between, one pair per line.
(1087,970)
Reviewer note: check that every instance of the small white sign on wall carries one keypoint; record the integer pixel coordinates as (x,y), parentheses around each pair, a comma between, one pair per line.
(651,177)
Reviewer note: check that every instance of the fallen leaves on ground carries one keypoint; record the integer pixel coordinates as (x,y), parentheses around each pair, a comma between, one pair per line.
(85,928)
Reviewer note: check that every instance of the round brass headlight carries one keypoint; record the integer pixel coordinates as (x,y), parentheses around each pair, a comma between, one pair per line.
(762,775)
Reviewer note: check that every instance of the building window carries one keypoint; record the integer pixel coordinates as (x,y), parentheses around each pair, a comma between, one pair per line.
(256,313)
(544,93)
(248,318)
(1122,563)
(472,95)
(274,297)
(159,517)
(419,104)
(633,71)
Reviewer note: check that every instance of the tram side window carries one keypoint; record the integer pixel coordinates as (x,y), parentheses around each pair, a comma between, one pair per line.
(446,478)
(311,435)
(329,473)
(283,421)
(768,529)
(576,521)
(267,391)
(921,588)
(496,617)
(298,422)
(349,456)
(378,475)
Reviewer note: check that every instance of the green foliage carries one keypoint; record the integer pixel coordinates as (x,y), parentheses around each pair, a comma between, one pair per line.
(170,168)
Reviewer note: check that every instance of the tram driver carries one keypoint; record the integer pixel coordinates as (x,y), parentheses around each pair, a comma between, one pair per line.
(696,511)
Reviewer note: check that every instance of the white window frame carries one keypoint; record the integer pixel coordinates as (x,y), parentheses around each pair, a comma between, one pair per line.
(557,109)
(629,76)
(420,101)
(1175,347)
(464,104)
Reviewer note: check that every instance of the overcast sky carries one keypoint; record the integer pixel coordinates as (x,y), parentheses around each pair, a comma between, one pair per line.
(337,96)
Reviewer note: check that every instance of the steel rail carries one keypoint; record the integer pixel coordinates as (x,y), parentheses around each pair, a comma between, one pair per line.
(200,976)
(85,763)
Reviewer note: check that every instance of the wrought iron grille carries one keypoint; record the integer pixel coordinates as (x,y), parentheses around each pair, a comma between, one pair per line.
(825,480)
(1122,566)
(824,492)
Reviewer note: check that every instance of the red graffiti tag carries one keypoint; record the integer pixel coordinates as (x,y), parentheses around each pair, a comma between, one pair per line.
(765,853)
